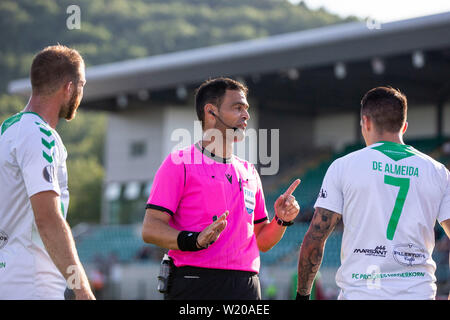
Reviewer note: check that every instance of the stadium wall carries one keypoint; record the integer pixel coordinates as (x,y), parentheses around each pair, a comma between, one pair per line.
(340,129)
(335,130)
(421,122)
(295,132)
(125,129)
(446,116)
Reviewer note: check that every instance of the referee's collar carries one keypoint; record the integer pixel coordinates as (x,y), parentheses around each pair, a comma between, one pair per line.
(211,155)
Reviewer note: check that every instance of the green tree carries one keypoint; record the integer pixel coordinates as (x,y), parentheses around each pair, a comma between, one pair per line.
(10,105)
(85,187)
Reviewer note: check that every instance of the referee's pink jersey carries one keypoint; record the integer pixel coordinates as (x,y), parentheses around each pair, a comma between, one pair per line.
(193,186)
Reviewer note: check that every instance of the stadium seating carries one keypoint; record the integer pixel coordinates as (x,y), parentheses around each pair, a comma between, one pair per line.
(122,240)
(286,251)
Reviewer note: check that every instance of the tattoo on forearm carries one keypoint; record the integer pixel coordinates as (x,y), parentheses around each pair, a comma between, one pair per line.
(311,252)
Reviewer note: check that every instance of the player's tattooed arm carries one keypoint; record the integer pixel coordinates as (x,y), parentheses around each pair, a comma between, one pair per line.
(311,251)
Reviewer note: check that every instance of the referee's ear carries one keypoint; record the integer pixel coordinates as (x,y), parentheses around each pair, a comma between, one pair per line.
(210,114)
(210,109)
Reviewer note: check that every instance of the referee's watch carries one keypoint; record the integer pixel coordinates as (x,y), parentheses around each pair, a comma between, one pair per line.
(282,222)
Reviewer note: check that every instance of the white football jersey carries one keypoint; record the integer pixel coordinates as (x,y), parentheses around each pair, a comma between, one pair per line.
(32,160)
(390,196)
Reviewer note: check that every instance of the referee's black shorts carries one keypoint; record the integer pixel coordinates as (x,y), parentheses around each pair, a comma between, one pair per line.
(193,283)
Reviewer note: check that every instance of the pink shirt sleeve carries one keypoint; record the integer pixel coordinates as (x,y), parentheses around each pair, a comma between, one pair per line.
(260,206)
(167,187)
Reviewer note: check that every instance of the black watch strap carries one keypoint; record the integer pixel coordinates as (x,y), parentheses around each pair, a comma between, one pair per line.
(283,223)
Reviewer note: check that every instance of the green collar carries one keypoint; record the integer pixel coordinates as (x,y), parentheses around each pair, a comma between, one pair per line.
(395,151)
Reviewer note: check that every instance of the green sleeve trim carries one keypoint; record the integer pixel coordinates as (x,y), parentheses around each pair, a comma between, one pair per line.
(10,121)
(16,118)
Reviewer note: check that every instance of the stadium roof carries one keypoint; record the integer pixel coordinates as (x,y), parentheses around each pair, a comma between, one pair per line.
(304,49)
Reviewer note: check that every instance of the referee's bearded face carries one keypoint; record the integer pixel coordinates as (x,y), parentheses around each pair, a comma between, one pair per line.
(234,112)
(69,109)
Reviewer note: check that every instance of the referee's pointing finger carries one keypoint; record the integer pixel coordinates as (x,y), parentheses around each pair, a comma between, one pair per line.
(292,187)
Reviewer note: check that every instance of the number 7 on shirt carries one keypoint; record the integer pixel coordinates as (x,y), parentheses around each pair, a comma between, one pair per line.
(403,183)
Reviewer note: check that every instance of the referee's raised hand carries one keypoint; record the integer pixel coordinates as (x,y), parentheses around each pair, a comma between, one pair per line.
(212,232)
(286,207)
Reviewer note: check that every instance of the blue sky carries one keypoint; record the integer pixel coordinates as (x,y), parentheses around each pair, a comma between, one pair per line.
(381,10)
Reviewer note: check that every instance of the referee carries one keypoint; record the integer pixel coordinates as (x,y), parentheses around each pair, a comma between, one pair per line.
(207,205)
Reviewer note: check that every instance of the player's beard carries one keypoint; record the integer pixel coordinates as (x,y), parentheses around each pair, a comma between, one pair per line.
(69,109)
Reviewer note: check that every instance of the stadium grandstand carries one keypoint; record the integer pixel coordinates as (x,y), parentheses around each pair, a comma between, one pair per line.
(307,84)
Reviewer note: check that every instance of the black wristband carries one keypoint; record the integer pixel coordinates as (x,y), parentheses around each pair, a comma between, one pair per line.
(187,241)
(300,297)
(282,222)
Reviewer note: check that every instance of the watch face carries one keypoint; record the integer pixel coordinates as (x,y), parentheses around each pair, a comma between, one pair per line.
(279,221)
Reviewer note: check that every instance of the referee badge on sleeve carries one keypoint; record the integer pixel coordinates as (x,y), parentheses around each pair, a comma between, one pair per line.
(249,199)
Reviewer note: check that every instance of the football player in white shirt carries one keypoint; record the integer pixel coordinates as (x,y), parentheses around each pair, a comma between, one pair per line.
(389,196)
(38,257)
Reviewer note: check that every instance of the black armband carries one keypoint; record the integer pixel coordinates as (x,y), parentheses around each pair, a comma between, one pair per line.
(187,241)
(300,297)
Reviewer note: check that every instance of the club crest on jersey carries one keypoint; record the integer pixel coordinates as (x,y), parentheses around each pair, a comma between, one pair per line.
(250,200)
(409,254)
(3,239)
(49,173)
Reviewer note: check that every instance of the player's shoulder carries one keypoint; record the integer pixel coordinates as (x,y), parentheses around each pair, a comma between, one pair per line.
(25,126)
(347,163)
(427,160)
(352,156)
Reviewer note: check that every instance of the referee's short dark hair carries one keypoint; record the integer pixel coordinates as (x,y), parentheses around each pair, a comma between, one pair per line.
(386,107)
(212,91)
